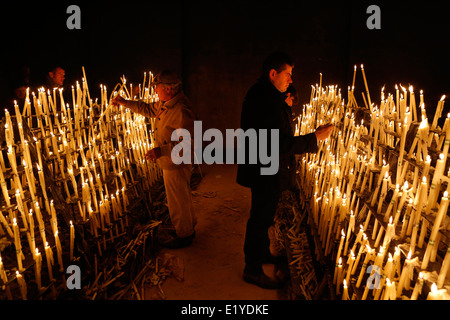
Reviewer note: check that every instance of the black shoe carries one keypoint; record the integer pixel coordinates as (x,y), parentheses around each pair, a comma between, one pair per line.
(278,260)
(178,243)
(262,280)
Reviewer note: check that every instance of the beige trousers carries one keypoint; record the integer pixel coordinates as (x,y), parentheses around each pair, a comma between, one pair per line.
(179,200)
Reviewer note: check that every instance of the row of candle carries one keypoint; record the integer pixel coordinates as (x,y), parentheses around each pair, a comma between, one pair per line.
(87,160)
(349,183)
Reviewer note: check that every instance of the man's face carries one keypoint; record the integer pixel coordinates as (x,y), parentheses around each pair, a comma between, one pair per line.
(58,76)
(164,92)
(281,80)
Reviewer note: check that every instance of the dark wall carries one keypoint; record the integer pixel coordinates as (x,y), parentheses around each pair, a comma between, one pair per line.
(218,46)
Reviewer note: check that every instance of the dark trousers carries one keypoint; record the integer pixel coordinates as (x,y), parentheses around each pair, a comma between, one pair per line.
(257,243)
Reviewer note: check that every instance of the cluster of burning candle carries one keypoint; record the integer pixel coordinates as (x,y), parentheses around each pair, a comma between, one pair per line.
(368,175)
(90,149)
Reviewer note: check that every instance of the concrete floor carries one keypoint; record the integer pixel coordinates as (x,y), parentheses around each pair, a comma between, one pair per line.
(213,265)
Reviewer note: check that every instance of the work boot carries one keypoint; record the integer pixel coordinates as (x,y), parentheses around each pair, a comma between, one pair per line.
(260,279)
(178,243)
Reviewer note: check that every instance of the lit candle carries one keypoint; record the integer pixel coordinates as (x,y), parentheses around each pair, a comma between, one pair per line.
(393,201)
(18,245)
(341,244)
(345,294)
(350,229)
(360,252)
(365,83)
(406,220)
(50,261)
(401,202)
(337,271)
(38,268)
(350,266)
(444,269)
(405,277)
(59,252)
(390,292)
(383,192)
(383,173)
(22,285)
(434,294)
(447,137)
(390,234)
(436,226)
(72,239)
(402,149)
(3,275)
(418,287)
(438,172)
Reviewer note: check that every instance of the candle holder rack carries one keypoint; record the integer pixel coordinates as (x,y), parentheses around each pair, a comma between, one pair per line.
(73,178)
(376,195)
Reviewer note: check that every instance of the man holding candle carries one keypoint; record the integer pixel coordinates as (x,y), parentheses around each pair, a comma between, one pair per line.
(264,109)
(172,112)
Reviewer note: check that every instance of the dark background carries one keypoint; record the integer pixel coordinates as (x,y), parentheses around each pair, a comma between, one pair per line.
(218,46)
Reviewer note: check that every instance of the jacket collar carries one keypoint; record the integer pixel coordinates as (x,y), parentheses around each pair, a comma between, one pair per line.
(271,88)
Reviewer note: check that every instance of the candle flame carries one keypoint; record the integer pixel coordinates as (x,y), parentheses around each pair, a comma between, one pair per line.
(434,288)
(409,255)
(390,220)
(446,194)
(441,156)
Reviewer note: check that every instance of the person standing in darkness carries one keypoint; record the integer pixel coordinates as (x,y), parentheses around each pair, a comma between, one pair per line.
(172,112)
(264,107)
(55,77)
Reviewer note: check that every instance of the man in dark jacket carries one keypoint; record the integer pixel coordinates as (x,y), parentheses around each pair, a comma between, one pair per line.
(264,108)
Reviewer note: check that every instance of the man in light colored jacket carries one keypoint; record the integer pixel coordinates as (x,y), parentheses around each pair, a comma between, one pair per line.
(172,112)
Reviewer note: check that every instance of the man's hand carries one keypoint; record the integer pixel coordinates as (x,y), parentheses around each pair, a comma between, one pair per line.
(324,132)
(153,154)
(116,101)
